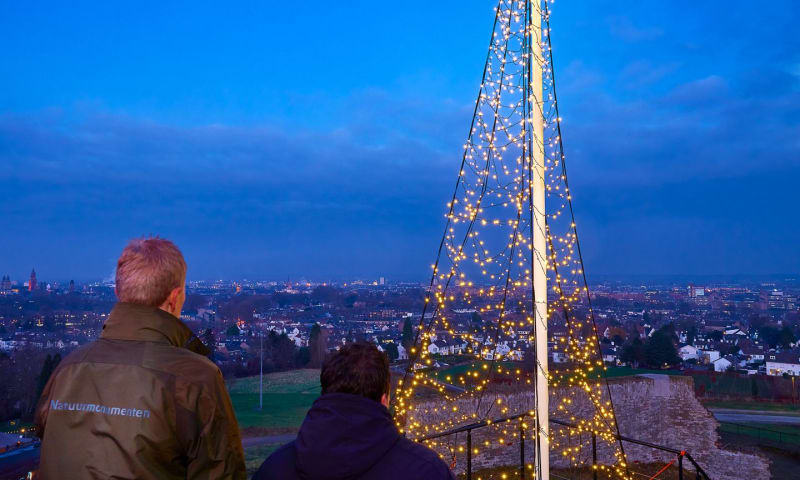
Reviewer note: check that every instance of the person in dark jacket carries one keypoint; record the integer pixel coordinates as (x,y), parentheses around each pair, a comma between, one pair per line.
(348,434)
(140,401)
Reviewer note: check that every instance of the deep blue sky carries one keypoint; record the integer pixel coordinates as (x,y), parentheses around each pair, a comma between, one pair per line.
(269,140)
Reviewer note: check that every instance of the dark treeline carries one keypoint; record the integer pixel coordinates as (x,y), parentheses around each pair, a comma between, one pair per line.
(276,352)
(24,377)
(243,307)
(279,353)
(657,351)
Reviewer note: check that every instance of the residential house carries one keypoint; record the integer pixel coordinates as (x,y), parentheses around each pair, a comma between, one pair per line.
(750,351)
(722,364)
(402,354)
(556,356)
(610,354)
(688,352)
(457,345)
(787,361)
(708,357)
(502,350)
(439,347)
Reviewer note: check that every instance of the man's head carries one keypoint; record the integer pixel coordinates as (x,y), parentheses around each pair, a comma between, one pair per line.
(151,271)
(360,369)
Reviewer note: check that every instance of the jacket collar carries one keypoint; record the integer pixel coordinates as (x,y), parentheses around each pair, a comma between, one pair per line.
(129,321)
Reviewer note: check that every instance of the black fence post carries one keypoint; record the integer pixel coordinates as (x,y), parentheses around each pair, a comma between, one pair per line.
(521,450)
(680,466)
(469,454)
(594,455)
(535,452)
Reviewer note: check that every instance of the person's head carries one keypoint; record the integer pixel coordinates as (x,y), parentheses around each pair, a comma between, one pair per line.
(152,271)
(360,369)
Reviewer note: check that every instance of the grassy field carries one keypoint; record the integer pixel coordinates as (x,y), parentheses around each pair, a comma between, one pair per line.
(287,398)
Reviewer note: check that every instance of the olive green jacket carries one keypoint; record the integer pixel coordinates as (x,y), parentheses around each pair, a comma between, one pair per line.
(137,403)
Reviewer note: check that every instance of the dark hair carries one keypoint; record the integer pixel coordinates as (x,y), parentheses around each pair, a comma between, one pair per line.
(357,368)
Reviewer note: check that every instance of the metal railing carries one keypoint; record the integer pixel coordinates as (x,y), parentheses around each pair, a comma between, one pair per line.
(760,432)
(680,454)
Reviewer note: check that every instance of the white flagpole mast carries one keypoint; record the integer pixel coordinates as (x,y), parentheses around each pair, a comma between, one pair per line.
(539,268)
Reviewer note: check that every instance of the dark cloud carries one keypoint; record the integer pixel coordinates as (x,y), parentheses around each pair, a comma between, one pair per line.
(682,129)
(701,128)
(281,201)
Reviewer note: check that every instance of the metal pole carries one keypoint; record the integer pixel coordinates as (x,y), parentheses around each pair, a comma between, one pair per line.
(469,454)
(539,268)
(594,456)
(680,466)
(521,450)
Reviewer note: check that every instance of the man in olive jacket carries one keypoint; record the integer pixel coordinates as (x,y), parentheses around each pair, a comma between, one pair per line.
(140,402)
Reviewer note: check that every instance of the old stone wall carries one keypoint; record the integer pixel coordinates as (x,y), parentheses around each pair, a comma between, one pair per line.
(656,408)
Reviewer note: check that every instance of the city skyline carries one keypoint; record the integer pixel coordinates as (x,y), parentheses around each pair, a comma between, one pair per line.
(643,280)
(679,134)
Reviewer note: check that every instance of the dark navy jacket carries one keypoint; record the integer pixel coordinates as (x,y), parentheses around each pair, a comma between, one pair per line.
(350,437)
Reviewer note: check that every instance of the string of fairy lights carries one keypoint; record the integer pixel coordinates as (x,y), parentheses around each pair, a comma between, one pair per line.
(485,264)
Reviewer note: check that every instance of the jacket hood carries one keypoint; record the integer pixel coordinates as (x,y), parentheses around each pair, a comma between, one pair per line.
(342,436)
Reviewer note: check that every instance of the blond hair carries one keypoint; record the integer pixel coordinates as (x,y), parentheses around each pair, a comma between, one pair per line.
(148,270)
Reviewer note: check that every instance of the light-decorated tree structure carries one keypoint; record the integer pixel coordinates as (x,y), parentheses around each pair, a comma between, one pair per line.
(509,233)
